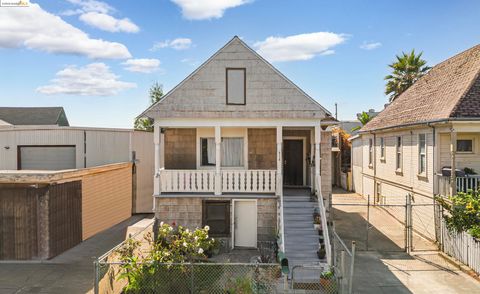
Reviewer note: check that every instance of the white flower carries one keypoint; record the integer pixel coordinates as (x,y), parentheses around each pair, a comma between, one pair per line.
(187,230)
(184,244)
(161,224)
(213,239)
(170,228)
(200,251)
(196,238)
(207,228)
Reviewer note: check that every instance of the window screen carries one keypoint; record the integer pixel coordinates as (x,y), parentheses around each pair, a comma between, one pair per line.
(216,215)
(236,85)
(464,145)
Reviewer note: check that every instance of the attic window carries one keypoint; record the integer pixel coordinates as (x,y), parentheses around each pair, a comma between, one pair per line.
(236,86)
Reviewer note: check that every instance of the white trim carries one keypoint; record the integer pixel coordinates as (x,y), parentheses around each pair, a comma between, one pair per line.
(233,220)
(304,155)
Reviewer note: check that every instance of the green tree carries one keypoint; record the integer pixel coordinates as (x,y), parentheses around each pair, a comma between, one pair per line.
(145,123)
(406,70)
(363,118)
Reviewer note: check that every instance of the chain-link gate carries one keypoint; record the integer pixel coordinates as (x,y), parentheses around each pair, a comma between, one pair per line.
(401,225)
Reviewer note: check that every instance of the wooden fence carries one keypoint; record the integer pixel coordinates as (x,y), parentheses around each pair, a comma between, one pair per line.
(461,246)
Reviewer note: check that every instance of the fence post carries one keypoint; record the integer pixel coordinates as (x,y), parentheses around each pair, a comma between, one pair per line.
(368,222)
(408,223)
(191,279)
(96,276)
(342,270)
(352,267)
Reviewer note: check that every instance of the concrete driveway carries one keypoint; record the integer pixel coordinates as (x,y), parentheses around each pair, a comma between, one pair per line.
(70,272)
(391,270)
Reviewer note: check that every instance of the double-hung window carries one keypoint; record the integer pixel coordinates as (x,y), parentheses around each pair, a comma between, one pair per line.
(422,153)
(398,153)
(216,215)
(370,152)
(236,86)
(465,145)
(232,152)
(382,148)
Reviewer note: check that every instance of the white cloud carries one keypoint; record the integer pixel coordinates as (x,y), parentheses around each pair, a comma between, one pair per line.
(177,44)
(299,47)
(206,9)
(34,28)
(142,65)
(94,79)
(370,45)
(89,6)
(109,23)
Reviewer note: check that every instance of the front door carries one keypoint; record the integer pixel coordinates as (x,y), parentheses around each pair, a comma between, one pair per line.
(293,162)
(245,223)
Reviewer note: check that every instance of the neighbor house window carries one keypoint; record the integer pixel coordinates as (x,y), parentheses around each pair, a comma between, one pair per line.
(382,148)
(422,153)
(216,215)
(370,152)
(236,86)
(398,147)
(465,145)
(232,152)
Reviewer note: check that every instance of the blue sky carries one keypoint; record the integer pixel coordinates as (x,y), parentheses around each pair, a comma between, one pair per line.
(337,51)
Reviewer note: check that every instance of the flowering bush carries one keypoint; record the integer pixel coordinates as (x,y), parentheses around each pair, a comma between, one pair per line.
(464,212)
(173,245)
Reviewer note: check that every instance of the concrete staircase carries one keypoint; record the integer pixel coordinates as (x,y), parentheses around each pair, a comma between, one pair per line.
(301,239)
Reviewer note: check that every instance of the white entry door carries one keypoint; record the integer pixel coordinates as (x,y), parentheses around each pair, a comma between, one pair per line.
(245,223)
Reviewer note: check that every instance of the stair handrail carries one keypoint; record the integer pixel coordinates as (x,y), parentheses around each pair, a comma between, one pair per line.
(323,216)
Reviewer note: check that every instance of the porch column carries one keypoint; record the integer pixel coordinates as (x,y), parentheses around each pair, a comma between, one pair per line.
(218,158)
(318,139)
(156,177)
(279,186)
(312,153)
(453,150)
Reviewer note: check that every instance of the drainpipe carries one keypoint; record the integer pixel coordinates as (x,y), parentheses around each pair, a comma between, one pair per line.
(374,167)
(453,149)
(434,141)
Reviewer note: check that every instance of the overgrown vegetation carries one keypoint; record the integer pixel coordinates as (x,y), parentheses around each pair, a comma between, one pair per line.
(463,212)
(145,123)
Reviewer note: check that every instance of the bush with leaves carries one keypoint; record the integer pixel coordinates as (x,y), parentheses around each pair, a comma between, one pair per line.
(463,212)
(162,269)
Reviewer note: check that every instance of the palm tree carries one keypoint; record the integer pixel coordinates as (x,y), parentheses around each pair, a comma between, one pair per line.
(363,118)
(146,123)
(407,69)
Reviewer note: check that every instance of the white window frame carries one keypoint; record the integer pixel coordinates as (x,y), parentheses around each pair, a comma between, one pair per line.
(398,154)
(462,138)
(422,155)
(370,152)
(382,149)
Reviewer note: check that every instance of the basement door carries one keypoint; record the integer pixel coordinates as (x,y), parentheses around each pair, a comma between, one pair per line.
(245,223)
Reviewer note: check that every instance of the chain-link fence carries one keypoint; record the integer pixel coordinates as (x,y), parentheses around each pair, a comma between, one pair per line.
(313,279)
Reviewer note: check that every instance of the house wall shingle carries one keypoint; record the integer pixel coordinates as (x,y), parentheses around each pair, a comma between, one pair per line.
(262,149)
(180,148)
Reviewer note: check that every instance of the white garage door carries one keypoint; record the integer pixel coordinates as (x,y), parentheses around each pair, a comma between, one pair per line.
(46,157)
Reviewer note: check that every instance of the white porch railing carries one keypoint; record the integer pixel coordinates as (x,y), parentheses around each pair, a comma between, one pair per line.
(469,182)
(249,181)
(231,181)
(187,181)
(323,216)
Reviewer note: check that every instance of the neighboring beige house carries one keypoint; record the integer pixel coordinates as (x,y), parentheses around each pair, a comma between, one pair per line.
(228,138)
(404,149)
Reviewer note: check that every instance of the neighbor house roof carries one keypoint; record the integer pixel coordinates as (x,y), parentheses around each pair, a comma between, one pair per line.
(34,116)
(450,90)
(269,94)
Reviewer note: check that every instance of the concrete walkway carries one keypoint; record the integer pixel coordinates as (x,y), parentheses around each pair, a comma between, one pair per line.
(387,271)
(70,272)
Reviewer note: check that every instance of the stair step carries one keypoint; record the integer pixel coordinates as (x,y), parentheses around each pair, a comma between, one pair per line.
(296,199)
(298,204)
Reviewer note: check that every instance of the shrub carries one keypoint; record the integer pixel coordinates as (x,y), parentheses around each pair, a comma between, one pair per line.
(463,212)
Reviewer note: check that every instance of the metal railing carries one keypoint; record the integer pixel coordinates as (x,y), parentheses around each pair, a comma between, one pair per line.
(344,263)
(323,216)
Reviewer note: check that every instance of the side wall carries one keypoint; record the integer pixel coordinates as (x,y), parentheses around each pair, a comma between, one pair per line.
(326,163)
(142,144)
(106,199)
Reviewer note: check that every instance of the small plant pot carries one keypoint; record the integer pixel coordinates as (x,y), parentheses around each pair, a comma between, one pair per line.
(321,240)
(321,253)
(326,283)
(320,232)
(317,227)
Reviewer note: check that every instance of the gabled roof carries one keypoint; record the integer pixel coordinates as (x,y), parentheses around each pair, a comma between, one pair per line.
(269,93)
(34,116)
(449,90)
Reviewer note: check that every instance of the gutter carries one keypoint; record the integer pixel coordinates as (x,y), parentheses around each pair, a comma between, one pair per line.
(428,122)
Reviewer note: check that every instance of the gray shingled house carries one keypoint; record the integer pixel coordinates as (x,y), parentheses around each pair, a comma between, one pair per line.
(33,116)
(430,129)
(228,139)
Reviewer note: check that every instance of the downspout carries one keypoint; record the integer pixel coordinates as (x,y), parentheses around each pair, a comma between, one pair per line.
(374,167)
(434,139)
